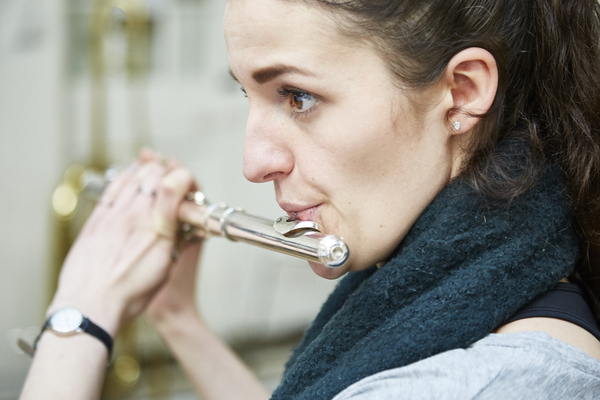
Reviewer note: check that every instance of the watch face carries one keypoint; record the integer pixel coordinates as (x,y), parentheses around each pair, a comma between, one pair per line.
(66,320)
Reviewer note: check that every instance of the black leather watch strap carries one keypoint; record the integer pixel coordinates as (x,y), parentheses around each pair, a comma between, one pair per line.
(99,333)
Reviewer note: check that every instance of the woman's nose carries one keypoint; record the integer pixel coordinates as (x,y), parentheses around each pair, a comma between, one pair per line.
(267,155)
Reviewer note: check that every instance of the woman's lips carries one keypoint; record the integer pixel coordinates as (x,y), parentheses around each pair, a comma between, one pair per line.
(301,213)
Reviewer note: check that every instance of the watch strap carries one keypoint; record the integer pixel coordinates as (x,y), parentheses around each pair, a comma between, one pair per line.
(89,327)
(37,339)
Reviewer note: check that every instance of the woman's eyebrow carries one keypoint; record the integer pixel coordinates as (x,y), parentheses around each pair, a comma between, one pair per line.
(267,74)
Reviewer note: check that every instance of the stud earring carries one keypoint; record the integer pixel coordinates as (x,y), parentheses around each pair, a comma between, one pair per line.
(457,125)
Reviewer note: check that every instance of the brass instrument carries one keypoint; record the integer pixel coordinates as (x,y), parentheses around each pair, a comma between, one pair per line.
(131,22)
(302,239)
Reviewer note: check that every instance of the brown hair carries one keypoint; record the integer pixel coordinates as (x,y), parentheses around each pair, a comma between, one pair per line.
(548,58)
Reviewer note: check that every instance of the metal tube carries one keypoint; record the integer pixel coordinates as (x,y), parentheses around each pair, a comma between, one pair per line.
(302,239)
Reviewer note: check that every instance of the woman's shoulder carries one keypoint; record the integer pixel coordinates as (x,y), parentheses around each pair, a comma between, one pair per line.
(509,366)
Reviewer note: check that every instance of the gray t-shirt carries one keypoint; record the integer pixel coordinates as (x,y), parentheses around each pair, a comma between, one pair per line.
(524,365)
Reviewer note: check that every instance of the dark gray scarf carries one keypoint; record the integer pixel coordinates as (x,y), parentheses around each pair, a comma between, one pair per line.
(463,269)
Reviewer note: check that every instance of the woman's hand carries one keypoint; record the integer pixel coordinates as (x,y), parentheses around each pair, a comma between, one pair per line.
(123,254)
(176,300)
(121,259)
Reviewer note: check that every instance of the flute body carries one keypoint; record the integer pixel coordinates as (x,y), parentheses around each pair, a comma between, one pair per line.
(302,239)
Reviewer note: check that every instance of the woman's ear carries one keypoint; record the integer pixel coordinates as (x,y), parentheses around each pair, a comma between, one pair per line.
(471,77)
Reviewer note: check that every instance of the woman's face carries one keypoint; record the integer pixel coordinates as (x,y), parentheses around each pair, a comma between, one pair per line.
(342,144)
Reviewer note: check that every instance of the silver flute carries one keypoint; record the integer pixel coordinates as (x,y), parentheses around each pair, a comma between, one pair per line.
(199,217)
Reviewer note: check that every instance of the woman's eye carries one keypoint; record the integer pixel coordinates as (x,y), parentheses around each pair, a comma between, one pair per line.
(302,101)
(299,101)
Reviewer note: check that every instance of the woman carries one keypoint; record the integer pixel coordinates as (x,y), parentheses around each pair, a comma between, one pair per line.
(451,143)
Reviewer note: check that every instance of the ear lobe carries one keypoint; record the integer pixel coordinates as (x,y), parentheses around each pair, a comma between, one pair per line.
(472,77)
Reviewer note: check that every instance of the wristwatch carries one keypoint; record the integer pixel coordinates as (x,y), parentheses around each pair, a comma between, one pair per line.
(69,320)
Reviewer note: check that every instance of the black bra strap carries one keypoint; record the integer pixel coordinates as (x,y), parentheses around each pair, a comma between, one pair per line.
(566,302)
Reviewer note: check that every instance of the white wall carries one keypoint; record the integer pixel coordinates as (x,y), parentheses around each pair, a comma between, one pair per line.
(30,65)
(195,113)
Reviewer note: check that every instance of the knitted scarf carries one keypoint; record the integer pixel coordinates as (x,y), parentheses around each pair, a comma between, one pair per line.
(464,268)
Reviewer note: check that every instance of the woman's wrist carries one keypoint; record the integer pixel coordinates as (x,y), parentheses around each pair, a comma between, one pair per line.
(106,315)
(172,324)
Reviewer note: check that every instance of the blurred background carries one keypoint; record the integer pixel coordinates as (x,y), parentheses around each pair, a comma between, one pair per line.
(84,84)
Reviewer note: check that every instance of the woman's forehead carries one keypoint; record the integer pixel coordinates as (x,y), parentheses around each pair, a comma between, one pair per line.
(269,19)
(261,33)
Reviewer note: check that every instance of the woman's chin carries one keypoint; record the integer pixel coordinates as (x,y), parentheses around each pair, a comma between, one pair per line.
(327,273)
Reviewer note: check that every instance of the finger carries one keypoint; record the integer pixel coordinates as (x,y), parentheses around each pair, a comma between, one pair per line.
(171,192)
(133,204)
(140,191)
(184,271)
(115,185)
(146,154)
(107,200)
(172,163)
(189,251)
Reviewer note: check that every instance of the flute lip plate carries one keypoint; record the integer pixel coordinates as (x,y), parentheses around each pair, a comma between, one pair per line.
(293,227)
